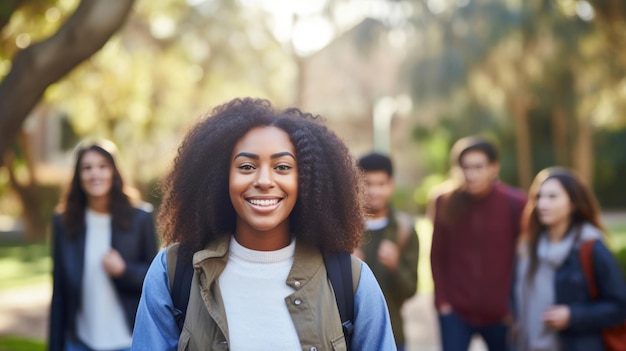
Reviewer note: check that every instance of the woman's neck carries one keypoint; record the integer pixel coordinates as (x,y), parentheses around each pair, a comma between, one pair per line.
(270,240)
(99,205)
(557,231)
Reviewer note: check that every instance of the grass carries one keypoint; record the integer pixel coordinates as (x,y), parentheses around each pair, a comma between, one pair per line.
(617,236)
(24,264)
(15,343)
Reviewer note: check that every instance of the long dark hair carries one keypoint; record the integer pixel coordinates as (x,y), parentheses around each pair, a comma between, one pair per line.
(584,203)
(197,209)
(74,204)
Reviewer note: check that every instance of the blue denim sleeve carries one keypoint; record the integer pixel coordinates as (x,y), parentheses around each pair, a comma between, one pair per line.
(372,326)
(155,325)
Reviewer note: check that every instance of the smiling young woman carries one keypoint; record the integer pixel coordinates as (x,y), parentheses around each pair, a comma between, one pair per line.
(263,188)
(257,196)
(103,247)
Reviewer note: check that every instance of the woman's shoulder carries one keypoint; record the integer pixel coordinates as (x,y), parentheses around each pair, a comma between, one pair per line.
(142,213)
(591,233)
(144,208)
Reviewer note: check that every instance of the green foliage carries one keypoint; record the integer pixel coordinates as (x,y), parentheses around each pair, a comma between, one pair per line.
(476,62)
(148,83)
(24,264)
(15,343)
(610,170)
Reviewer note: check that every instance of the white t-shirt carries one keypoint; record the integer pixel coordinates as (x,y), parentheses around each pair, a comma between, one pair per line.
(377,224)
(100,322)
(254,288)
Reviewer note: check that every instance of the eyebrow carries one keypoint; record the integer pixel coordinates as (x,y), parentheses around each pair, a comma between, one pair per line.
(256,157)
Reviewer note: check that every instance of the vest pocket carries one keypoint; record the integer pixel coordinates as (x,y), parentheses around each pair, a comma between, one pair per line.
(339,343)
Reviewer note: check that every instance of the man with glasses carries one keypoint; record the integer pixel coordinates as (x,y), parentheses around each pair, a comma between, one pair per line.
(476,226)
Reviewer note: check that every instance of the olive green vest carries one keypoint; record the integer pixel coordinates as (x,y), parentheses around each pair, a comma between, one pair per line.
(312,306)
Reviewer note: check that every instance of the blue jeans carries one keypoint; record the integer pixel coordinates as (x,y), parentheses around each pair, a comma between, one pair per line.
(456,334)
(72,344)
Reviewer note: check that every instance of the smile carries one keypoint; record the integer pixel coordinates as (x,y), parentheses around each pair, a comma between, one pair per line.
(267,202)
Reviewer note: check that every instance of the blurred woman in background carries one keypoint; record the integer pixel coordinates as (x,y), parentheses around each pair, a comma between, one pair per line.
(554,309)
(103,247)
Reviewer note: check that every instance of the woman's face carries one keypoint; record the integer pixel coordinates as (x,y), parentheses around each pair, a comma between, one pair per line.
(263,185)
(96,175)
(554,206)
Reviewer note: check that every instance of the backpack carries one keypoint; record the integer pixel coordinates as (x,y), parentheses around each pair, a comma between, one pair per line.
(614,338)
(341,273)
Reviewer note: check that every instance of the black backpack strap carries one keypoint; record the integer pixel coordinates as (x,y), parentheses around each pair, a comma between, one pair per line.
(339,270)
(180,282)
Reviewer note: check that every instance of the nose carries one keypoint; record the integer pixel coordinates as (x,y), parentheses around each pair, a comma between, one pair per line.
(264,178)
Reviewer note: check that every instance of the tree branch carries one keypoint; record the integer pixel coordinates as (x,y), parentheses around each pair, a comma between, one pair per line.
(38,66)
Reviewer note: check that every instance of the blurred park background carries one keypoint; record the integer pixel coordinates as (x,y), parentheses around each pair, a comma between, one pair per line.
(544,80)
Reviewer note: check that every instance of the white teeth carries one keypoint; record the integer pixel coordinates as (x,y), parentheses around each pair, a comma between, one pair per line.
(263,202)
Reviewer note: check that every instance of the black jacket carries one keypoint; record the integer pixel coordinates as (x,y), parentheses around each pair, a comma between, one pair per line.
(137,246)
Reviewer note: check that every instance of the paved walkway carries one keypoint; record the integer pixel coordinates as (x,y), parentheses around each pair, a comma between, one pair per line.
(24,312)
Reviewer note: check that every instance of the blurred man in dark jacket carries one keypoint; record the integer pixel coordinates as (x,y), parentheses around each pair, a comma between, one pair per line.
(390,245)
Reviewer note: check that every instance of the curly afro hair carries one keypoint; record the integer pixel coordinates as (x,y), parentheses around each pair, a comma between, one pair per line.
(196,207)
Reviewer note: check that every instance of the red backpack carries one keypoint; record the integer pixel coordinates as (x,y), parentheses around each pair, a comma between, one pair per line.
(614,338)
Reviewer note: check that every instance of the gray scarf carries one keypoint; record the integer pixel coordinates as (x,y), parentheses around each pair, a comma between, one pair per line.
(535,296)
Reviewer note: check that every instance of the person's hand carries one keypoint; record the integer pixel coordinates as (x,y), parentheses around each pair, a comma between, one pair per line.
(445,308)
(359,253)
(113,263)
(388,254)
(557,317)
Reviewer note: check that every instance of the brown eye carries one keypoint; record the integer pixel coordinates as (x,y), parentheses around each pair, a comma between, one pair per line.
(283,167)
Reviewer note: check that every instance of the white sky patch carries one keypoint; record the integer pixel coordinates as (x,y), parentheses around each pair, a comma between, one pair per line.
(22,41)
(311,34)
(305,24)
(584,10)
(436,6)
(162,27)
(53,14)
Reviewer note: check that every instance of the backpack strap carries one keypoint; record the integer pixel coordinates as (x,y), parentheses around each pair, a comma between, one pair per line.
(339,269)
(586,259)
(180,272)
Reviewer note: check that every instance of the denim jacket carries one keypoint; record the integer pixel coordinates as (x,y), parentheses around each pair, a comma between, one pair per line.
(206,328)
(589,317)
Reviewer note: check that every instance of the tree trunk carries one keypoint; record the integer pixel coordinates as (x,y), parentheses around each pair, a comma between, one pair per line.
(524,149)
(38,66)
(300,80)
(583,150)
(29,194)
(559,136)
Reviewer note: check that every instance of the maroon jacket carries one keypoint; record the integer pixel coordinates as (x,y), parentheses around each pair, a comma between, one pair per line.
(472,258)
